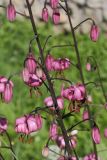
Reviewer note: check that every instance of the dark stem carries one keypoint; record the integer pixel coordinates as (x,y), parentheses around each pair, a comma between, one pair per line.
(62,79)
(80,67)
(11,147)
(88,19)
(47,39)
(60,121)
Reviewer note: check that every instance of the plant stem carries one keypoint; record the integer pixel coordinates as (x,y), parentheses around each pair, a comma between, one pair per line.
(80,67)
(52,92)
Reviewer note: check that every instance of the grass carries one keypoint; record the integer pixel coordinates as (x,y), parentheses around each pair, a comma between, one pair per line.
(14,45)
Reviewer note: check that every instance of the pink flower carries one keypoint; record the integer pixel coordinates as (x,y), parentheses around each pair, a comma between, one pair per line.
(6,89)
(11,12)
(94,33)
(88,67)
(56,16)
(40,74)
(34,123)
(49,102)
(30,63)
(105,132)
(45,15)
(28,124)
(61,64)
(96,135)
(85,115)
(49,61)
(21,126)
(8,92)
(54,3)
(74,92)
(3,125)
(53,131)
(61,142)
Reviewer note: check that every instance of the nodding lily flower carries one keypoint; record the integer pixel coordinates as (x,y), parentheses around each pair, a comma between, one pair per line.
(30,63)
(11,12)
(6,89)
(90,157)
(96,134)
(45,14)
(3,124)
(53,131)
(28,124)
(33,80)
(49,61)
(61,64)
(94,33)
(56,16)
(49,102)
(74,92)
(61,142)
(54,3)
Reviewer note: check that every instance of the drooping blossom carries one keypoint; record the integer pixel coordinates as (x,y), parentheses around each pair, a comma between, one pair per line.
(89,98)
(90,156)
(74,92)
(94,33)
(61,64)
(32,80)
(85,115)
(45,14)
(3,124)
(6,89)
(28,124)
(74,132)
(56,16)
(61,142)
(49,62)
(30,63)
(88,66)
(53,132)
(54,3)
(11,12)
(96,134)
(49,102)
(105,133)
(45,152)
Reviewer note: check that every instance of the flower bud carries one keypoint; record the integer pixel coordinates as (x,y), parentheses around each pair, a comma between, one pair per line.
(54,3)
(45,152)
(88,67)
(53,131)
(45,15)
(8,92)
(56,17)
(11,12)
(94,33)
(96,135)
(30,63)
(85,115)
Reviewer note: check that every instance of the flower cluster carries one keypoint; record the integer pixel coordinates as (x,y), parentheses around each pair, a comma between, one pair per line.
(55,14)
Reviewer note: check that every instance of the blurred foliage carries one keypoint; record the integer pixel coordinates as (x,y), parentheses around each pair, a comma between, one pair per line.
(14,46)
